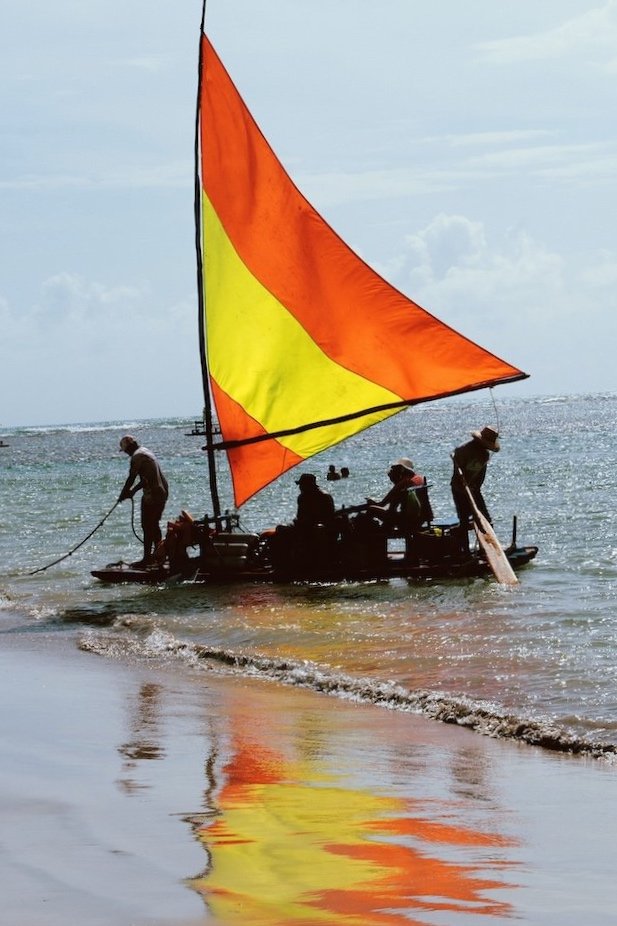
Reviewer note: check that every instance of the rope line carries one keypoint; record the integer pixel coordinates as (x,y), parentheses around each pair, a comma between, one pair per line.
(141,539)
(495,409)
(80,544)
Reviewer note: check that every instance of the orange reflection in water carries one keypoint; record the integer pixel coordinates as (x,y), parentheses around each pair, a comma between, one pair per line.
(290,847)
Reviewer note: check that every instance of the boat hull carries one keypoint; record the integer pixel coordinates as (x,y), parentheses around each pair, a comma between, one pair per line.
(198,571)
(124,573)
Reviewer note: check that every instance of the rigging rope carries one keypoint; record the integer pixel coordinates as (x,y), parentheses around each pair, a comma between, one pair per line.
(80,544)
(495,409)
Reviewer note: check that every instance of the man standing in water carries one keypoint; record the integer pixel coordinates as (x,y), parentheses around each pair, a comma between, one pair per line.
(472,459)
(145,467)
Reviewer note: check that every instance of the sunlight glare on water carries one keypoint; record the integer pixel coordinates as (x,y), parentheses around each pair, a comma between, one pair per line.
(543,651)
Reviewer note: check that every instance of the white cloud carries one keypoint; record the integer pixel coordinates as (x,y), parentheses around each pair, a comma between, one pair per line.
(536,156)
(97,176)
(583,163)
(175,175)
(591,34)
(87,351)
(69,299)
(486,139)
(331,188)
(151,64)
(602,273)
(435,173)
(519,299)
(451,264)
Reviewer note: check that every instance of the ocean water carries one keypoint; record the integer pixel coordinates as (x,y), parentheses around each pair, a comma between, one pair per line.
(537,662)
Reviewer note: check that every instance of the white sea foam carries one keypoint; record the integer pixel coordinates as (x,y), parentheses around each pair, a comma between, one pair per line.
(480,716)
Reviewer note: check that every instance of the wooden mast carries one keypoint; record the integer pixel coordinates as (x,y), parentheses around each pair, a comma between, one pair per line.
(201,297)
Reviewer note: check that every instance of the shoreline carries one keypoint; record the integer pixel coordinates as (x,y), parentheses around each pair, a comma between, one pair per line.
(127,785)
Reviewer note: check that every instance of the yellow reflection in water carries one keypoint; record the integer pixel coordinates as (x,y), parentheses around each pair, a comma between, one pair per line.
(290,847)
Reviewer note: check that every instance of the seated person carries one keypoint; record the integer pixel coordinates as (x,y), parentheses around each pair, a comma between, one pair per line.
(315,522)
(406,506)
(314,505)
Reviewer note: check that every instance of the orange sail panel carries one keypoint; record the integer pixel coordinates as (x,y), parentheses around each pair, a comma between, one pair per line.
(306,345)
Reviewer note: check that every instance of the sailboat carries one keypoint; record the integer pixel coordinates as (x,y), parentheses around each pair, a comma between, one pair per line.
(302,346)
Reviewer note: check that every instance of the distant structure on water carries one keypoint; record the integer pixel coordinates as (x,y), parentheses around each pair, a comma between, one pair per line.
(199,427)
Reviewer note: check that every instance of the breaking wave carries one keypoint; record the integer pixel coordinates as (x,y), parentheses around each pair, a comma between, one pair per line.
(88,427)
(475,715)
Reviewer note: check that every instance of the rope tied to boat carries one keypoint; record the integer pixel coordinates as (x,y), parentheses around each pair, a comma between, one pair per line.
(141,539)
(92,532)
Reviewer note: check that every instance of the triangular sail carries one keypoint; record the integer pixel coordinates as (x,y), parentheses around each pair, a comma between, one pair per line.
(306,345)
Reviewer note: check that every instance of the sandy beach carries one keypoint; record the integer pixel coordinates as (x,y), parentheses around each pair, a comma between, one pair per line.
(90,832)
(138,794)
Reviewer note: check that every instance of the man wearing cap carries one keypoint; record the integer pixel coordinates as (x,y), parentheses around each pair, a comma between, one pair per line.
(144,466)
(314,505)
(407,504)
(309,539)
(472,459)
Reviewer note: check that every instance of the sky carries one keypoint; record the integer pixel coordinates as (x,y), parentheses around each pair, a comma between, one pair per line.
(467,151)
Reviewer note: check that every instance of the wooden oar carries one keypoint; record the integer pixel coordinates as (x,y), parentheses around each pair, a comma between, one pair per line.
(487,538)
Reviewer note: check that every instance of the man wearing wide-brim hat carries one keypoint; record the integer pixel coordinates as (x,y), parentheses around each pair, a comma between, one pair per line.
(472,459)
(488,438)
(406,505)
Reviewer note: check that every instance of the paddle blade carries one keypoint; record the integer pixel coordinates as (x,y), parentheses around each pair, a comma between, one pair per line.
(492,549)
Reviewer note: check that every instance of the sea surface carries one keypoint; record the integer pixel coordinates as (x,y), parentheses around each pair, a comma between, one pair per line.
(537,662)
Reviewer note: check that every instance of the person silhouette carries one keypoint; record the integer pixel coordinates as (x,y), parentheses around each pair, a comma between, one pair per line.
(145,467)
(472,460)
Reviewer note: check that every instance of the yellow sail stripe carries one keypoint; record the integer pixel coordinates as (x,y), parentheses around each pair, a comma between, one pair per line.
(258,352)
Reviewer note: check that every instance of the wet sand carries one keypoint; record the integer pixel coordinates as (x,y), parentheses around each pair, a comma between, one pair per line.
(136,794)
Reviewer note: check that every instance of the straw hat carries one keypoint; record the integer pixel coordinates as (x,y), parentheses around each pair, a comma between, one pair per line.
(404,463)
(488,438)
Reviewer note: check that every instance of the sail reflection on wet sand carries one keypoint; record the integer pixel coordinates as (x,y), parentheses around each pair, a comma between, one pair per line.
(292,844)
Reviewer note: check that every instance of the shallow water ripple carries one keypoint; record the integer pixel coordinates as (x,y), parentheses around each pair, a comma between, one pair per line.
(542,653)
